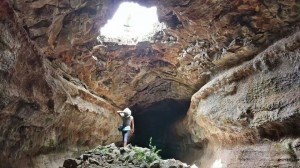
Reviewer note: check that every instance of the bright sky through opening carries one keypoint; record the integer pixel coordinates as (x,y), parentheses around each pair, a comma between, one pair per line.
(131,21)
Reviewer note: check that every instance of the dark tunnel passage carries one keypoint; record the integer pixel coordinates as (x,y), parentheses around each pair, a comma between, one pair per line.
(157,121)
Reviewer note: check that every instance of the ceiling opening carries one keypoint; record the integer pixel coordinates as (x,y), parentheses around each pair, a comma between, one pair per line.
(131,24)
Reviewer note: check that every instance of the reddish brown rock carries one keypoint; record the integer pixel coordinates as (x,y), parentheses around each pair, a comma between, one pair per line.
(60,87)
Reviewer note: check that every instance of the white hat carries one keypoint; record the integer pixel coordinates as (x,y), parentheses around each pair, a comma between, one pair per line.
(126,111)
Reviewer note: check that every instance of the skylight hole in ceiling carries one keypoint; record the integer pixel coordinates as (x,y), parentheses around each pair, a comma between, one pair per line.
(131,24)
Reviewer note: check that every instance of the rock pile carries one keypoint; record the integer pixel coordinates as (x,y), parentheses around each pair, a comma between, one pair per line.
(111,156)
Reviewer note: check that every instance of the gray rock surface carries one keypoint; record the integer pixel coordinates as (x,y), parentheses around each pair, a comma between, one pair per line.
(111,156)
(60,88)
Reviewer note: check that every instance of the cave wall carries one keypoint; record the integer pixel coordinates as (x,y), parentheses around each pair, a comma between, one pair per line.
(41,108)
(60,86)
(202,38)
(250,103)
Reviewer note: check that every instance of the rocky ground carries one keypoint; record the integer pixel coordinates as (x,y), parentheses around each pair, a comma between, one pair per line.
(231,66)
(111,156)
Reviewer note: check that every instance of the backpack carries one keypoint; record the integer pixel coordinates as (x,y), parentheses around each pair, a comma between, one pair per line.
(120,128)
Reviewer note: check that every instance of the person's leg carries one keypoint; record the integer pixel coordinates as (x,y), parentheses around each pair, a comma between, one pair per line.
(125,138)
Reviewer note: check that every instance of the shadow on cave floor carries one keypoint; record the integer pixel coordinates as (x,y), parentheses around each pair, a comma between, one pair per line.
(157,121)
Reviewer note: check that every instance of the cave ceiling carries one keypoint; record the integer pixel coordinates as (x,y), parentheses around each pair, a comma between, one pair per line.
(202,38)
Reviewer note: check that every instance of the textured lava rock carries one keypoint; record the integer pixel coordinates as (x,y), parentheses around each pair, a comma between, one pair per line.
(60,87)
(130,156)
(203,37)
(249,103)
(41,106)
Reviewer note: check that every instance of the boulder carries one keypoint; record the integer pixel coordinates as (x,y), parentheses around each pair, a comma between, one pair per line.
(70,163)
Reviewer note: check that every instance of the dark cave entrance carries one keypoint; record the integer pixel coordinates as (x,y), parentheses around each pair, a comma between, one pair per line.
(157,121)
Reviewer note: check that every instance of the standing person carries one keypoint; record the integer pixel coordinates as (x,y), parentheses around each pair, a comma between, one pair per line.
(128,125)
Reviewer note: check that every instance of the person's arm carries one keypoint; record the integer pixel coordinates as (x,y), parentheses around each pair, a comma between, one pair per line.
(121,113)
(132,125)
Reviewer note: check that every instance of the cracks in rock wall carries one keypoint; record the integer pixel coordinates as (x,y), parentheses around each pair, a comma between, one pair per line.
(272,111)
(229,34)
